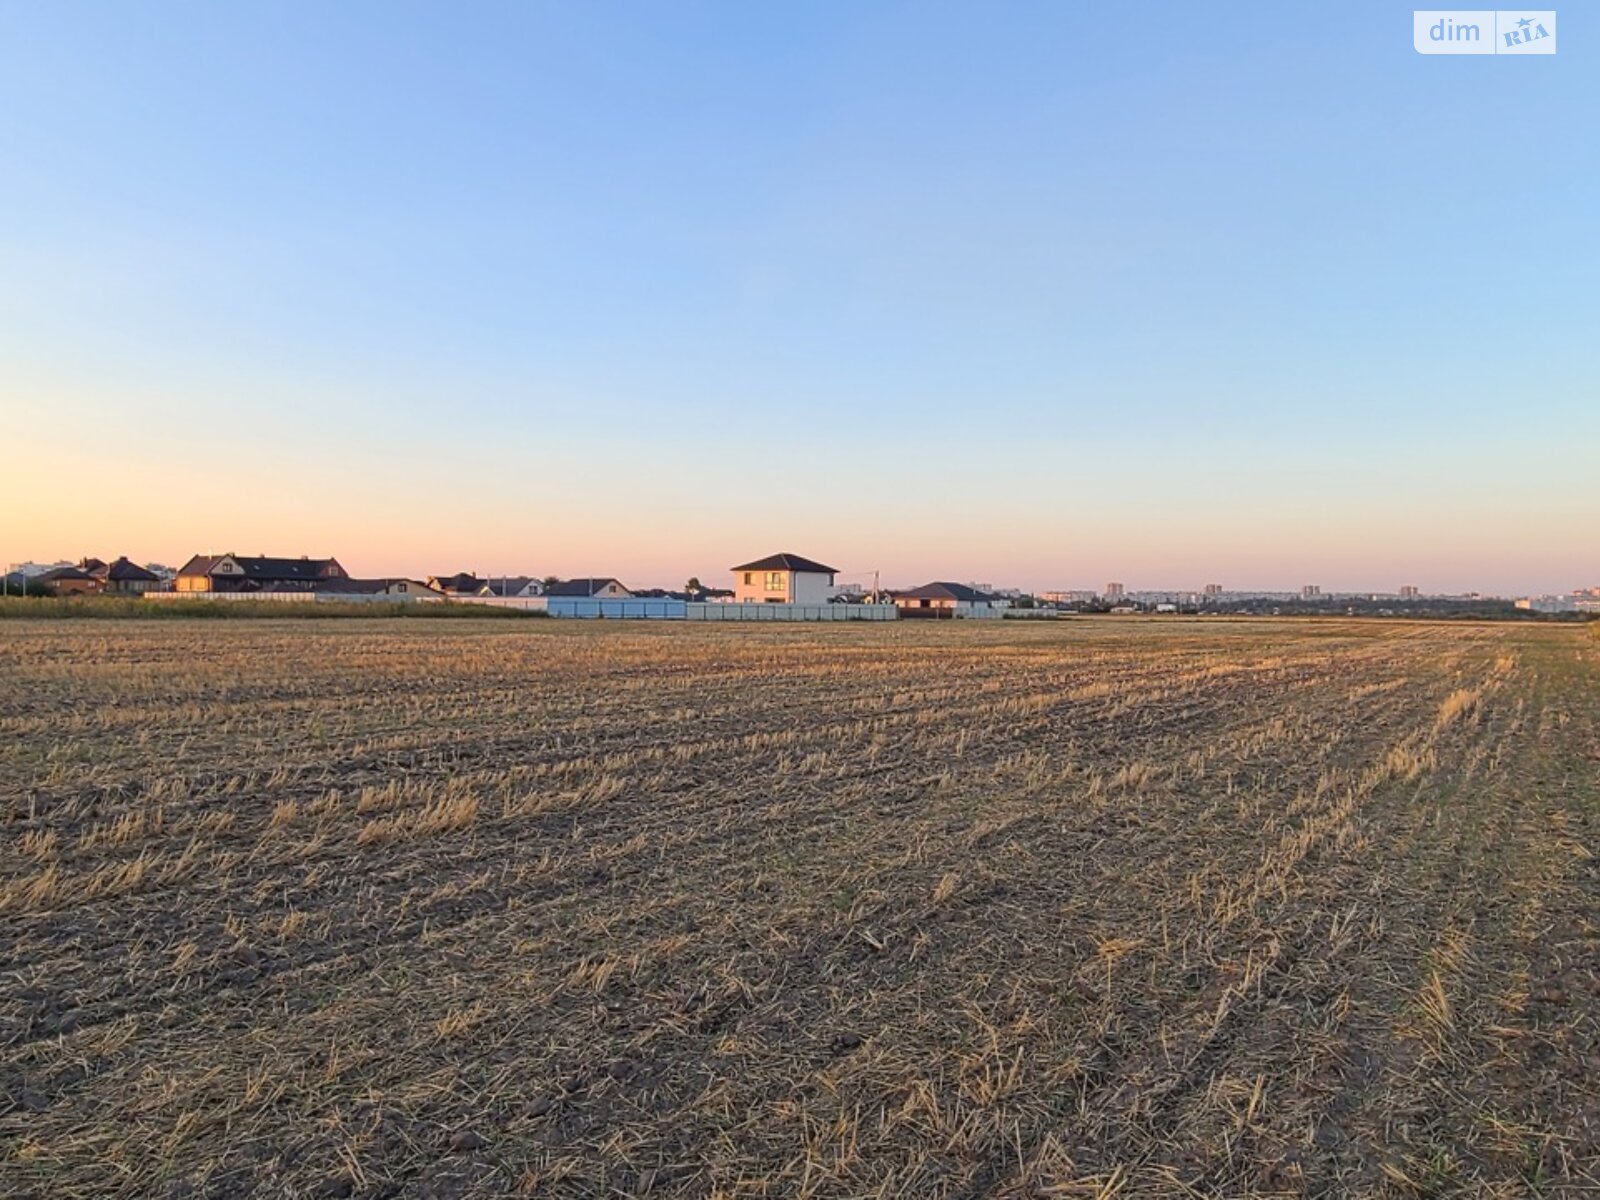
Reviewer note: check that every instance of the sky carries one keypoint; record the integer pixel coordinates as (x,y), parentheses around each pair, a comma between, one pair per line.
(1036,294)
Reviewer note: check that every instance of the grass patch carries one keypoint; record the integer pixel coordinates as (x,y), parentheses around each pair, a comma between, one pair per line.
(120,608)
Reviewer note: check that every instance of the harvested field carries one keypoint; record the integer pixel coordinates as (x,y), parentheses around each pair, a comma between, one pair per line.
(1091,908)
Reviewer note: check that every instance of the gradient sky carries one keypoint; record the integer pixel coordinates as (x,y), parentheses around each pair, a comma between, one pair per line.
(1037,294)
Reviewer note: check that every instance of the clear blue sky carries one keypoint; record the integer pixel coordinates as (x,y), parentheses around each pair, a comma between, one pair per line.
(1044,294)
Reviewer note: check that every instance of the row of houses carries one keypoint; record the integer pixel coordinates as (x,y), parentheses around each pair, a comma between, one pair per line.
(506,587)
(93,576)
(233,574)
(784,578)
(237,573)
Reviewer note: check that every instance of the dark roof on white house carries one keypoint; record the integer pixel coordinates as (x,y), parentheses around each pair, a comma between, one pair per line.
(944,590)
(580,587)
(505,585)
(787,562)
(261,569)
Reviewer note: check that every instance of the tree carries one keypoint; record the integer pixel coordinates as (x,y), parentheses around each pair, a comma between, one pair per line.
(694,587)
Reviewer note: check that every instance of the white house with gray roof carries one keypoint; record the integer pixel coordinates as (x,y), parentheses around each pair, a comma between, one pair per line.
(783,579)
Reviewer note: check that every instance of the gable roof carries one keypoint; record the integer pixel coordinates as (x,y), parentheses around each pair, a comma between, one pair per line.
(944,590)
(123,570)
(288,568)
(462,581)
(580,587)
(505,585)
(787,562)
(200,564)
(267,570)
(57,574)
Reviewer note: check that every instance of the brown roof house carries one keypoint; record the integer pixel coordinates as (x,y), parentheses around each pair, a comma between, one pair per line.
(236,573)
(69,581)
(123,578)
(783,579)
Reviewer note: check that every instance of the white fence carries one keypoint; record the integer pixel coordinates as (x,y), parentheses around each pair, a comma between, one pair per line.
(639,608)
(526,603)
(594,608)
(254,597)
(634,609)
(293,597)
(979,612)
(791,612)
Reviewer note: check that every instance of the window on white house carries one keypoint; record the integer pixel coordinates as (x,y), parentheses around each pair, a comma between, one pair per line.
(749,578)
(775,581)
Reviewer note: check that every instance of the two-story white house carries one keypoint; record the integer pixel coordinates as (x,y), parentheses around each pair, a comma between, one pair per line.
(783,579)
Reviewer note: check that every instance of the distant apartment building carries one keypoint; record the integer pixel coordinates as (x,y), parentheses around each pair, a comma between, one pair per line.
(1212,590)
(1586,600)
(1550,604)
(32,570)
(1310,592)
(1409,591)
(1114,590)
(1069,596)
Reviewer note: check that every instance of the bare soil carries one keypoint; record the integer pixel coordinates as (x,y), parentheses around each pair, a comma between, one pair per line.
(1097,907)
